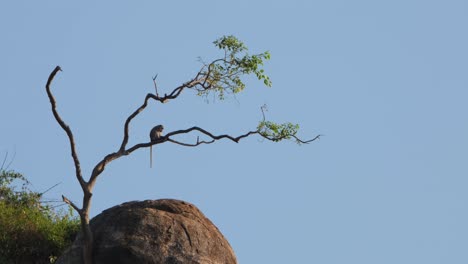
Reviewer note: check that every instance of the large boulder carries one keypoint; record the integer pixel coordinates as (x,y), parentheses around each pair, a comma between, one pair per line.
(154,231)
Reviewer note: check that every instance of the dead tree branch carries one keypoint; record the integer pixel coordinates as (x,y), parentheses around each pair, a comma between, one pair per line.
(65,127)
(188,130)
(87,191)
(74,206)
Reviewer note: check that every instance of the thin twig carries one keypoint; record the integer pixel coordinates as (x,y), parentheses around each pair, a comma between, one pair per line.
(264,108)
(190,145)
(155,85)
(4,160)
(288,136)
(306,141)
(9,163)
(50,188)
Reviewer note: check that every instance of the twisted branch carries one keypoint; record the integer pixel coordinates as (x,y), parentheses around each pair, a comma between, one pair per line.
(235,139)
(65,127)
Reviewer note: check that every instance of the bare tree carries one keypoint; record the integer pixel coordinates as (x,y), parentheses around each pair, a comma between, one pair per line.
(221,76)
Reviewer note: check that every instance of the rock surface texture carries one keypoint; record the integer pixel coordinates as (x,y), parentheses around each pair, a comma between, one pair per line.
(161,231)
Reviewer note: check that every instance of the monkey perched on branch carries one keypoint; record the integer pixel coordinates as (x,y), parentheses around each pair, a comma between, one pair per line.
(155,134)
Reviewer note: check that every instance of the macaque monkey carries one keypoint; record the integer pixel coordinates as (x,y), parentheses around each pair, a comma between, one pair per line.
(155,134)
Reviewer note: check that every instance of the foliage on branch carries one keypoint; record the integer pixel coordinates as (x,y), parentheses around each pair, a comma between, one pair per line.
(277,132)
(11,196)
(224,74)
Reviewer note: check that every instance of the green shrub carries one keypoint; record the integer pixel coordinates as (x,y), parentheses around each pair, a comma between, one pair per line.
(31,232)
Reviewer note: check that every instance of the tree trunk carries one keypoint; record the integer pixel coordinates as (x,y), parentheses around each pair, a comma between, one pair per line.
(87,240)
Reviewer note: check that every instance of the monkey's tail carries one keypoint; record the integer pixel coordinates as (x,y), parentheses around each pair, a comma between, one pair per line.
(151,156)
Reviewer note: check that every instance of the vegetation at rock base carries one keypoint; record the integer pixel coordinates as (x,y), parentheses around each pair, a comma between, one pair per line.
(31,230)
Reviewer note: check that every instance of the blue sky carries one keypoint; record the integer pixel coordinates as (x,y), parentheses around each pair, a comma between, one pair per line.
(385,82)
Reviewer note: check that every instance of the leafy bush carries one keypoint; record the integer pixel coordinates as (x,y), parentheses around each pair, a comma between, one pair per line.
(30,231)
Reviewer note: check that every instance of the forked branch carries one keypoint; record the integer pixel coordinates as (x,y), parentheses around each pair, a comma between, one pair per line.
(222,75)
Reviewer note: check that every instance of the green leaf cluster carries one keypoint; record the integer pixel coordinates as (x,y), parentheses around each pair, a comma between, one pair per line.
(277,132)
(31,232)
(8,193)
(224,75)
